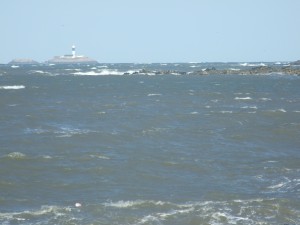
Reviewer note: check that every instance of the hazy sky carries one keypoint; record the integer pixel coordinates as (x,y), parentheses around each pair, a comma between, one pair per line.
(151,30)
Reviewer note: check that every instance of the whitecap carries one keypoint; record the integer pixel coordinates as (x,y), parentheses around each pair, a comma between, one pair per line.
(278,110)
(194,113)
(226,112)
(16,155)
(38,71)
(47,157)
(35,130)
(13,66)
(24,215)
(265,99)
(154,94)
(252,64)
(69,132)
(124,204)
(13,87)
(99,73)
(242,98)
(249,107)
(276,186)
(99,157)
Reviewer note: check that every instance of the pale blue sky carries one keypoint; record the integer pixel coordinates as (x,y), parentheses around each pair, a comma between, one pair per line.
(151,30)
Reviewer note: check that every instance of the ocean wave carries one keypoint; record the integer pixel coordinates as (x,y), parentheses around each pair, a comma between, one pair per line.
(277,110)
(237,211)
(22,156)
(13,87)
(224,111)
(99,73)
(284,185)
(249,107)
(242,98)
(99,156)
(59,131)
(140,212)
(38,72)
(154,94)
(252,64)
(16,155)
(46,214)
(265,99)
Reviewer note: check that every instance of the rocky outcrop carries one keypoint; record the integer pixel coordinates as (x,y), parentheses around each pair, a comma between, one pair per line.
(23,62)
(260,70)
(296,63)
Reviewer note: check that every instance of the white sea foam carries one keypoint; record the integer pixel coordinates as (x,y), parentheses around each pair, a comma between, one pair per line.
(13,87)
(238,211)
(242,98)
(278,110)
(154,94)
(99,73)
(124,204)
(16,155)
(38,71)
(13,66)
(276,186)
(56,211)
(69,131)
(59,131)
(249,107)
(252,64)
(99,156)
(194,113)
(265,99)
(226,111)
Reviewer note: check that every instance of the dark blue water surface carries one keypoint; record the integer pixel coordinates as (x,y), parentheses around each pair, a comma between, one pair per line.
(135,149)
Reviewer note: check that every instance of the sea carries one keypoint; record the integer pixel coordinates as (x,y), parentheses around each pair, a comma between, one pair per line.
(105,145)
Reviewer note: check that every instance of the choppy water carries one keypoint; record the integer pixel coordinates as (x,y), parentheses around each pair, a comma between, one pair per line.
(148,149)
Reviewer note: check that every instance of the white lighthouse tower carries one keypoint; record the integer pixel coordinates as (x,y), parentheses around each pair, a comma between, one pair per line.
(73,51)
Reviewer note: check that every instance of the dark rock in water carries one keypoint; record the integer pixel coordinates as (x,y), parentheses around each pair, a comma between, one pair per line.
(296,63)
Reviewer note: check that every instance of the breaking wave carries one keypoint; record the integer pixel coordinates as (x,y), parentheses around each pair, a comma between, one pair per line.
(242,98)
(58,131)
(13,87)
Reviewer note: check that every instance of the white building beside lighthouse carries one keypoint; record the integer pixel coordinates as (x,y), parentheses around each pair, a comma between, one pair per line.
(72,59)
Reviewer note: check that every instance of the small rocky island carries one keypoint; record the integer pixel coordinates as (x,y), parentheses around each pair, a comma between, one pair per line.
(71,59)
(23,62)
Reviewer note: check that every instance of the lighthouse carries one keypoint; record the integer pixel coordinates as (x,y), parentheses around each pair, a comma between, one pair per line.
(73,51)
